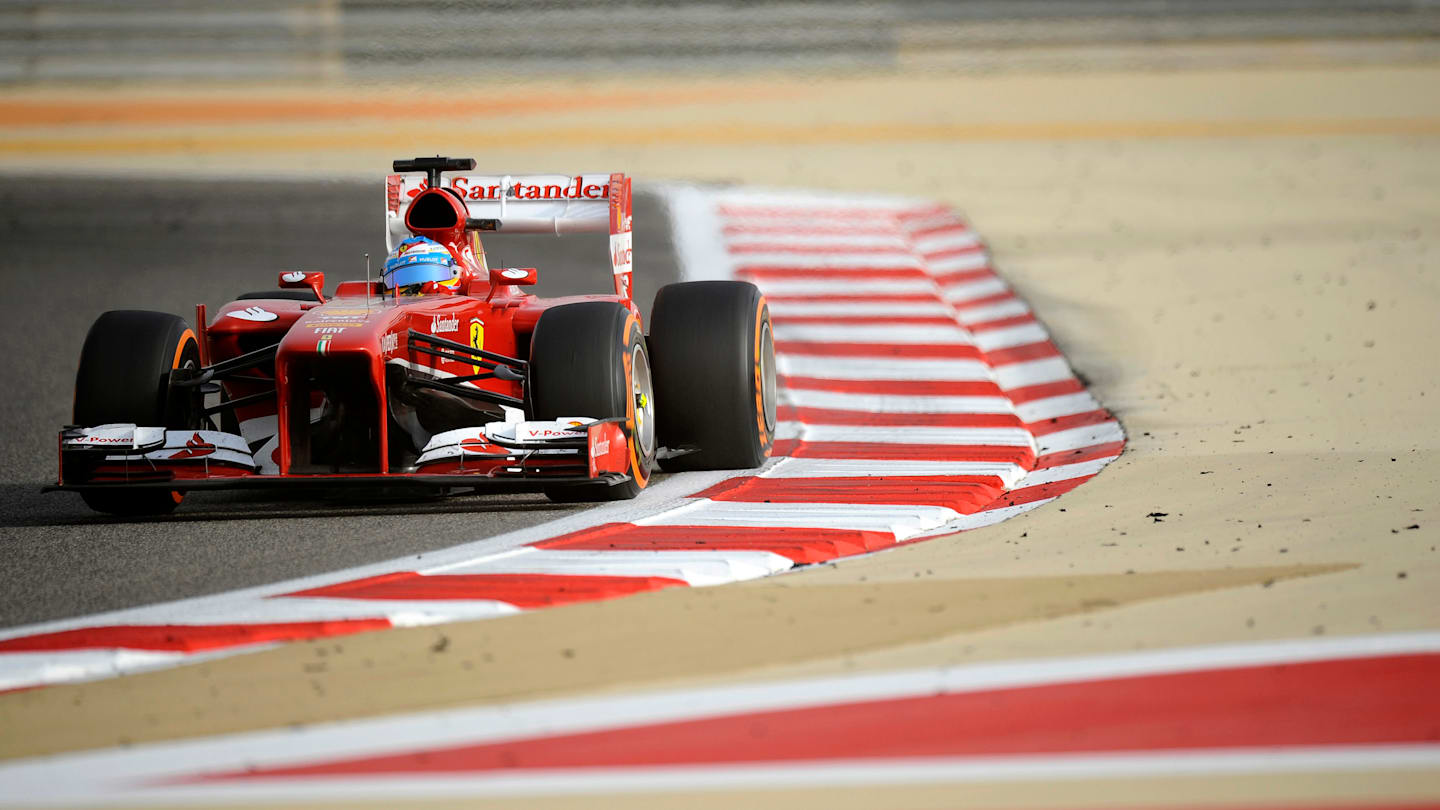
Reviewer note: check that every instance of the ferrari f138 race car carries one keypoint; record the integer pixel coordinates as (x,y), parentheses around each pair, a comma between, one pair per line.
(464,382)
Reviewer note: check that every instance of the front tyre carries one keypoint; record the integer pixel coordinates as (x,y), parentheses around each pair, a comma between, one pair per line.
(124,376)
(714,361)
(590,359)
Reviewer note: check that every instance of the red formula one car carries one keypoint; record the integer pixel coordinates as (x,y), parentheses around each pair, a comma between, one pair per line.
(470,384)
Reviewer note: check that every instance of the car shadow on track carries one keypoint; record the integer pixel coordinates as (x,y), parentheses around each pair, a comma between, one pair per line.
(24,505)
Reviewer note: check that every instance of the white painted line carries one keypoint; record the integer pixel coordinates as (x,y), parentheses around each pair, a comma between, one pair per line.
(904,521)
(479,559)
(1077,438)
(991,339)
(1033,372)
(898,260)
(960,262)
(901,309)
(20,669)
(993,312)
(805,287)
(986,517)
(999,437)
(958,294)
(1063,472)
(811,205)
(283,609)
(1051,407)
(881,334)
(822,242)
(883,226)
(884,368)
(863,468)
(694,567)
(894,403)
(945,240)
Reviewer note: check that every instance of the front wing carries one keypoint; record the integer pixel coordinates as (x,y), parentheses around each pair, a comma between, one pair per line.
(500,455)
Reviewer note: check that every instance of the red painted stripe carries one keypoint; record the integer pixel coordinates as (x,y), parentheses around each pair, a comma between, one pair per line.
(963,307)
(1039,492)
(950,253)
(801,545)
(921,233)
(812,230)
(795,448)
(825,416)
(922,320)
(965,277)
(521,590)
(980,301)
(1030,393)
(805,212)
(959,351)
(1382,700)
(946,280)
(960,388)
(1020,354)
(1001,323)
(1078,455)
(815,250)
(766,273)
(926,212)
(1074,420)
(186,638)
(851,298)
(963,493)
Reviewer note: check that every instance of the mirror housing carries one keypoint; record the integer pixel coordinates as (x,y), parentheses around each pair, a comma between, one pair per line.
(304,280)
(519,276)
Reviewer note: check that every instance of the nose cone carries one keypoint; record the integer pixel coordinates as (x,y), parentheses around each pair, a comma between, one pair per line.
(345,325)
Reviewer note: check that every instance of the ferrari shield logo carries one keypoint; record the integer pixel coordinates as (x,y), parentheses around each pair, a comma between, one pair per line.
(477,338)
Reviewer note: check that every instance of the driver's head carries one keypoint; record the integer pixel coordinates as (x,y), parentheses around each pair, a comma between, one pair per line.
(416,261)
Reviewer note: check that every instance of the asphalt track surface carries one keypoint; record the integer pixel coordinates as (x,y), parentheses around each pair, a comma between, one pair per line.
(71,249)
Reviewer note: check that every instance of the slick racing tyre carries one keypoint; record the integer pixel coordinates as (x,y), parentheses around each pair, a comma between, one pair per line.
(590,359)
(714,362)
(124,377)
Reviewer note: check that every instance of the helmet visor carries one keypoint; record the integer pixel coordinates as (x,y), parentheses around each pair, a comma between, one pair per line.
(416,274)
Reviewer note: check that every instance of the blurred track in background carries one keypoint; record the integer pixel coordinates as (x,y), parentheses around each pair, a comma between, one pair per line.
(423,40)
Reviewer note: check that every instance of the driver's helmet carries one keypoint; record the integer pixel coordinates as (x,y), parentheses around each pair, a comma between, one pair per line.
(417,260)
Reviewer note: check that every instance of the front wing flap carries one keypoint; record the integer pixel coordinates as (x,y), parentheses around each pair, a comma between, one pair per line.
(502,455)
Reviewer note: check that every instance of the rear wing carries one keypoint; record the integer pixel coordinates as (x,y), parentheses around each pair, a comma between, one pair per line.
(555,204)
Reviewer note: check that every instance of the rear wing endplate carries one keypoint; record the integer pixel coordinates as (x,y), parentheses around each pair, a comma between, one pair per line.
(555,204)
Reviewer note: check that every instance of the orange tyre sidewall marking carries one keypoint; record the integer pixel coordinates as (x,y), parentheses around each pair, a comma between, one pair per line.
(763,432)
(187,337)
(637,469)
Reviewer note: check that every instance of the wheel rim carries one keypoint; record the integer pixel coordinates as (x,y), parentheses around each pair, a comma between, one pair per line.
(642,393)
(767,376)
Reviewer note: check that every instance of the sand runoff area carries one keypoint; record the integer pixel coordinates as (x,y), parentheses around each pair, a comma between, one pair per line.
(1245,265)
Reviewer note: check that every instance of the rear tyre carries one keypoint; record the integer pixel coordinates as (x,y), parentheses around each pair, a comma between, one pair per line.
(124,376)
(714,374)
(590,359)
